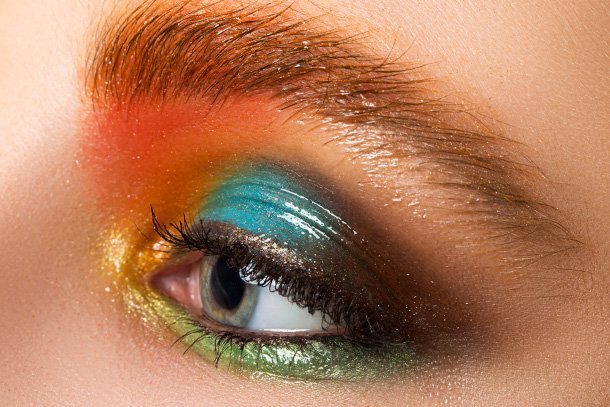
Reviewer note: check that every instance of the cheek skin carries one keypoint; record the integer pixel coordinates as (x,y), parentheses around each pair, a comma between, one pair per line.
(169,158)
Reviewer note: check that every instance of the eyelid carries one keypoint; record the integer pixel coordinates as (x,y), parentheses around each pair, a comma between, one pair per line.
(244,219)
(474,168)
(213,238)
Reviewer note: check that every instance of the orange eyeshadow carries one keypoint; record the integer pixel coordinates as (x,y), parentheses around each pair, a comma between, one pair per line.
(167,157)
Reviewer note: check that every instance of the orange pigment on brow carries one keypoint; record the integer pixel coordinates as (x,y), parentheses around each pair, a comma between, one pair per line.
(168,156)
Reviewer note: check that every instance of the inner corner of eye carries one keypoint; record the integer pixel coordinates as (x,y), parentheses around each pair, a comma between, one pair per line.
(214,291)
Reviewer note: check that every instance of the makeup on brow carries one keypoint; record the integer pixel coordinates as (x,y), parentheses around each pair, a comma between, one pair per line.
(182,92)
(202,57)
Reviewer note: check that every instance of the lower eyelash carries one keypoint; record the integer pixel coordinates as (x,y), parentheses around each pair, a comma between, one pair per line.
(300,358)
(226,342)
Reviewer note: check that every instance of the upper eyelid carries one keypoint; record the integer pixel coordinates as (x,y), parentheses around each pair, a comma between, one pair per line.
(161,51)
(206,237)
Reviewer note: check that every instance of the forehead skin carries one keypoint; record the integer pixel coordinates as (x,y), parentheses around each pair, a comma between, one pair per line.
(541,68)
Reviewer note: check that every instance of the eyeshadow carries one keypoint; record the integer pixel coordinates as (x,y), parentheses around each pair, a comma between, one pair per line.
(307,360)
(279,207)
(274,202)
(290,217)
(270,206)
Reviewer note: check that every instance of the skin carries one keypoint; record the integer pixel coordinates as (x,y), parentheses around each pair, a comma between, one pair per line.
(541,68)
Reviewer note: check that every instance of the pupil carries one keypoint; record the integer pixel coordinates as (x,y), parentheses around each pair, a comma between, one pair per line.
(227,286)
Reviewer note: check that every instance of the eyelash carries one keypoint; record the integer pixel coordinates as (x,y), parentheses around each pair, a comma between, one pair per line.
(222,240)
(225,342)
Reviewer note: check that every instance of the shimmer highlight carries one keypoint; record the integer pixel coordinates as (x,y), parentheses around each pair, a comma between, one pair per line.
(271,202)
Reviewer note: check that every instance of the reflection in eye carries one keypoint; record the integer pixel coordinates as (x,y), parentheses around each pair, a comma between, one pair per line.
(280,282)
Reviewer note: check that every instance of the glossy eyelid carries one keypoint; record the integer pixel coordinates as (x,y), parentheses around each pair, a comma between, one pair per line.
(246,216)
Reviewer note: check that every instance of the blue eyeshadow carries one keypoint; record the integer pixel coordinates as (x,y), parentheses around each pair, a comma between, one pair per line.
(272,202)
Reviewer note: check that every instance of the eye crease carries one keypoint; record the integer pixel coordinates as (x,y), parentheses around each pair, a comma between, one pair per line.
(382,109)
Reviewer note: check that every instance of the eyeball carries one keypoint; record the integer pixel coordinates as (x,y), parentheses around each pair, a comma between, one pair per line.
(213,289)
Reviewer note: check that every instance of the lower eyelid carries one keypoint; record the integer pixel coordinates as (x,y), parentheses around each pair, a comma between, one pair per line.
(315,358)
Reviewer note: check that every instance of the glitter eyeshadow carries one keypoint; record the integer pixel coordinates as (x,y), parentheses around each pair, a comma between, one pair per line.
(303,360)
(276,204)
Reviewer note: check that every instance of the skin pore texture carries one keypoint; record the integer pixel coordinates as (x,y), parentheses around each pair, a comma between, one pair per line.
(77,190)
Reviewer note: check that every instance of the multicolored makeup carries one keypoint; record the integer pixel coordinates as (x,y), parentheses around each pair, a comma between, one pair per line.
(303,271)
(262,225)
(201,140)
(164,155)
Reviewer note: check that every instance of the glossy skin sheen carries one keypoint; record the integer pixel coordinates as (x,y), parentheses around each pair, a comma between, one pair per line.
(73,200)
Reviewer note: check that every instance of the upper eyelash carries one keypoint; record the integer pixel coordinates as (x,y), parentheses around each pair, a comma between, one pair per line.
(361,325)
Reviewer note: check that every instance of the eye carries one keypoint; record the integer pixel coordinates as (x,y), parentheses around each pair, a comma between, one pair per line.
(213,288)
(269,278)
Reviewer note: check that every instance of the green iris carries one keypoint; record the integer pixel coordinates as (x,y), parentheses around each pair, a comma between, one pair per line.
(225,296)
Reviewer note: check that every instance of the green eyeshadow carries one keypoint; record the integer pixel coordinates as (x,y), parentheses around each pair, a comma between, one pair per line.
(307,360)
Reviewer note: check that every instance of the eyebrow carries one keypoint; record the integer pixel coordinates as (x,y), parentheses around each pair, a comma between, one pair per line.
(181,51)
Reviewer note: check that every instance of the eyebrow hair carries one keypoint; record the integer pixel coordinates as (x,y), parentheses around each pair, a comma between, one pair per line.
(182,51)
